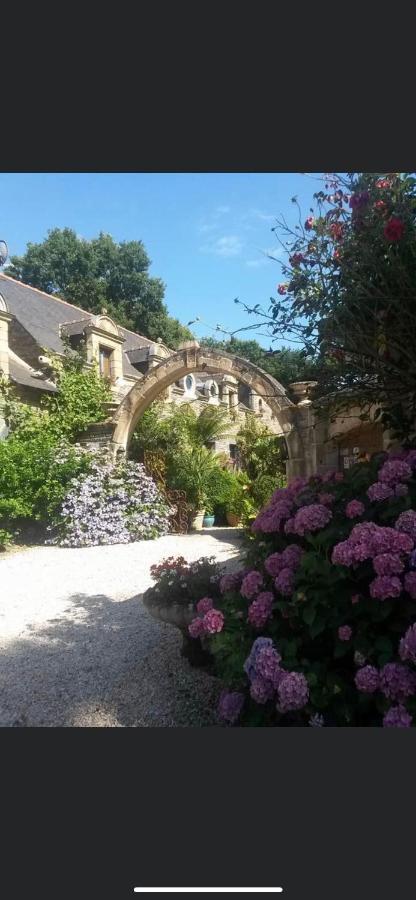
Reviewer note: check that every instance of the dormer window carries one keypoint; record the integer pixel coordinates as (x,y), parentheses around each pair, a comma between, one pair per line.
(105,362)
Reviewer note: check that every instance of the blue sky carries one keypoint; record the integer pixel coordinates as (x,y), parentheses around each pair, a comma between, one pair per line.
(206,233)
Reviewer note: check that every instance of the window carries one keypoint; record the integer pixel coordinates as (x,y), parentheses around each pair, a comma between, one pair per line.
(213,390)
(105,362)
(233,451)
(189,382)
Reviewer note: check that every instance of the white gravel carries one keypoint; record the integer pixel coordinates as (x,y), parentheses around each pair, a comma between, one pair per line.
(78,648)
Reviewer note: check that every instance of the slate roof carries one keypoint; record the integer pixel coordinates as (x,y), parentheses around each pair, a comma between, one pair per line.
(21,373)
(42,315)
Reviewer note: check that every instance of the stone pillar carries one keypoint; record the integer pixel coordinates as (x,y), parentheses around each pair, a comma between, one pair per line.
(302,440)
(5,318)
(234,400)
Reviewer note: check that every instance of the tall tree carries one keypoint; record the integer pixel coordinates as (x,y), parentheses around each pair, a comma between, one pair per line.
(285,365)
(348,294)
(97,273)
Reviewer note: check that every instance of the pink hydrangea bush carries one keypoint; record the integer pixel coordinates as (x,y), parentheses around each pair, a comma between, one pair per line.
(319,626)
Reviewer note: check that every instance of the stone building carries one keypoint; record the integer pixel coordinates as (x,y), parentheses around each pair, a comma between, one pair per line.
(34,324)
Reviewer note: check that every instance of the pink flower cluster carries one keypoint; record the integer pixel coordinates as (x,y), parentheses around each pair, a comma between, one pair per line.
(344,633)
(407,646)
(311,518)
(279,508)
(260,609)
(251,584)
(397,682)
(368,540)
(284,582)
(379,491)
(393,471)
(230,582)
(288,559)
(211,621)
(354,509)
(267,678)
(406,523)
(397,717)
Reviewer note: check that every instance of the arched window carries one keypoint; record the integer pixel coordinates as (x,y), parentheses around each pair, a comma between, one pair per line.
(189,382)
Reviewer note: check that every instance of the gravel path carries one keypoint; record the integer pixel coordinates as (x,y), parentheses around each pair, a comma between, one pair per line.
(78,648)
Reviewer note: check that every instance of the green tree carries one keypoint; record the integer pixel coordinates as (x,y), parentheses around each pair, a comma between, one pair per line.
(348,294)
(285,364)
(101,272)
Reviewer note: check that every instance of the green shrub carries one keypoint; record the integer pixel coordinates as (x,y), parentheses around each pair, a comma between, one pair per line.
(328,595)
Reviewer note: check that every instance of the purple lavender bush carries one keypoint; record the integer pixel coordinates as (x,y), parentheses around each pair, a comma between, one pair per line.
(114,503)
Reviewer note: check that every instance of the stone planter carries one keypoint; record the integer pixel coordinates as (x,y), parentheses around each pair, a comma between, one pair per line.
(197,521)
(180,615)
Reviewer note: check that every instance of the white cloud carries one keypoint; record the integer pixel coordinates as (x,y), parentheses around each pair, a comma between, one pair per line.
(222,210)
(212,222)
(264,217)
(228,245)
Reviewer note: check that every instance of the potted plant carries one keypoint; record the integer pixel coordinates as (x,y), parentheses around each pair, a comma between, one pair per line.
(209,518)
(191,472)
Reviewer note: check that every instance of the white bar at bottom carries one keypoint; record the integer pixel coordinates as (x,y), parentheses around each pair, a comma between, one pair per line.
(206,890)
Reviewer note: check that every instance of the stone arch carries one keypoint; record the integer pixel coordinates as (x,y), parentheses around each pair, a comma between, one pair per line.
(202,359)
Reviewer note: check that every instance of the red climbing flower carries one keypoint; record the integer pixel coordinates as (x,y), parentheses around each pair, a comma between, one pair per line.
(394,229)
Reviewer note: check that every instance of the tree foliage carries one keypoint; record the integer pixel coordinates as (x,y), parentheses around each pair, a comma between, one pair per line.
(348,293)
(101,273)
(285,364)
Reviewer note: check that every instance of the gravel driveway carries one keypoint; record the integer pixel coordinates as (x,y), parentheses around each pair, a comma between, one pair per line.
(78,648)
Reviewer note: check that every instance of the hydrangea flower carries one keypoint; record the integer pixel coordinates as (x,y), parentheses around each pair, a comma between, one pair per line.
(354,509)
(397,717)
(251,585)
(311,518)
(230,706)
(284,582)
(388,564)
(196,628)
(367,680)
(268,663)
(407,646)
(291,556)
(344,633)
(274,564)
(204,605)
(213,621)
(385,586)
(397,681)
(379,491)
(407,523)
(410,584)
(250,663)
(393,471)
(260,609)
(230,582)
(293,692)
(260,690)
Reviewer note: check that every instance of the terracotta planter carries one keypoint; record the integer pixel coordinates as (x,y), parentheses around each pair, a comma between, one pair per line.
(232,519)
(197,521)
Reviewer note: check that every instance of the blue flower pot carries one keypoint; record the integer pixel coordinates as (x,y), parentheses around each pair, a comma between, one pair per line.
(208,521)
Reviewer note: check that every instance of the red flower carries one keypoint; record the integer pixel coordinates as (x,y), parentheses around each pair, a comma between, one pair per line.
(309,223)
(383,183)
(394,229)
(282,288)
(296,259)
(380,204)
(336,231)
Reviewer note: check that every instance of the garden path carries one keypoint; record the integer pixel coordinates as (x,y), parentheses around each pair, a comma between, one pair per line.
(78,648)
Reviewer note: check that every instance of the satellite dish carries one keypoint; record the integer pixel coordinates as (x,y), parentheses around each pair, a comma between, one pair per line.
(4,252)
